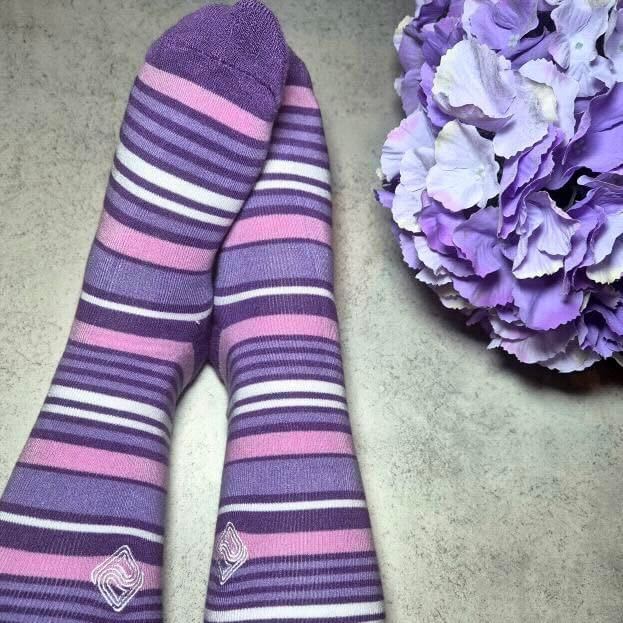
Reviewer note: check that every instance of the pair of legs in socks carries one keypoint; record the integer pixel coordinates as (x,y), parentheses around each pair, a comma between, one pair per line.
(214,245)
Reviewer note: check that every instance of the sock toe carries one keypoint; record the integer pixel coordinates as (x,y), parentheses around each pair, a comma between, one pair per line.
(246,39)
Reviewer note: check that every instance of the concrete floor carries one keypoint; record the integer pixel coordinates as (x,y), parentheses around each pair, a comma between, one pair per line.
(495,490)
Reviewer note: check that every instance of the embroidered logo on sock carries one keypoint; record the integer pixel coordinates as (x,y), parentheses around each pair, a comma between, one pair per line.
(231,552)
(118,578)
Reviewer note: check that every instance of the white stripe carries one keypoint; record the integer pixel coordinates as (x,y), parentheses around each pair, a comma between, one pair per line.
(140,311)
(287,386)
(292,185)
(269,507)
(111,402)
(67,526)
(175,184)
(320,611)
(288,167)
(287,402)
(105,419)
(273,291)
(167,204)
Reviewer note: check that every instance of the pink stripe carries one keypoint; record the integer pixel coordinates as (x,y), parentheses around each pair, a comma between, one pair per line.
(278,324)
(78,568)
(205,102)
(93,461)
(181,353)
(276,444)
(307,543)
(278,226)
(127,241)
(299,96)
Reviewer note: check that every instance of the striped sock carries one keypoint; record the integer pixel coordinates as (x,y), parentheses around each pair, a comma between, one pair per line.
(293,540)
(81,519)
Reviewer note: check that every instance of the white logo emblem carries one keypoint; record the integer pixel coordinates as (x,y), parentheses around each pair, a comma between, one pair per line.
(118,578)
(231,552)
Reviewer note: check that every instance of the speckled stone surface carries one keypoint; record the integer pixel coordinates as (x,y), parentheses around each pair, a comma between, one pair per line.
(496,491)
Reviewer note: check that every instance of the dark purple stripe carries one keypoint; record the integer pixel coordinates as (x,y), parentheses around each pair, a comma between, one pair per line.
(208,165)
(286,411)
(305,426)
(330,494)
(63,598)
(61,614)
(286,369)
(284,177)
(286,591)
(116,429)
(301,570)
(281,141)
(308,305)
(296,521)
(289,457)
(54,515)
(174,330)
(167,306)
(45,541)
(286,125)
(220,290)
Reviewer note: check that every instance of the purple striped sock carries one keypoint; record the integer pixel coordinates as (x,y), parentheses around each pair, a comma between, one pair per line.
(293,540)
(81,519)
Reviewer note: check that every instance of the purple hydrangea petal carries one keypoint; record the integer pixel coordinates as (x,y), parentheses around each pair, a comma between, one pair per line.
(414,131)
(533,111)
(610,269)
(475,85)
(493,290)
(435,114)
(538,346)
(477,239)
(572,359)
(439,225)
(465,170)
(409,253)
(544,304)
(598,142)
(409,89)
(565,90)
(544,239)
(613,46)
(502,24)
(439,38)
(579,24)
(530,49)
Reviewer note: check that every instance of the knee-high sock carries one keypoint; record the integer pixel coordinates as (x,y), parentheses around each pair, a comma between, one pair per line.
(293,538)
(81,519)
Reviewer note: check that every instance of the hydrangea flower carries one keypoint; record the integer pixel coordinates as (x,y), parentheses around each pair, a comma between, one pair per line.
(505,179)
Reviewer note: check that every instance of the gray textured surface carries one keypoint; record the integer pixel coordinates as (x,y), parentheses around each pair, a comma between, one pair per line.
(495,491)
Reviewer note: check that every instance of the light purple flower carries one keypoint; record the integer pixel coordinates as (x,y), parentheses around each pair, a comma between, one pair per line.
(505,181)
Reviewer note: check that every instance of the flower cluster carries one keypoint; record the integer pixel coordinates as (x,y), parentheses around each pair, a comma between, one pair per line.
(505,179)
